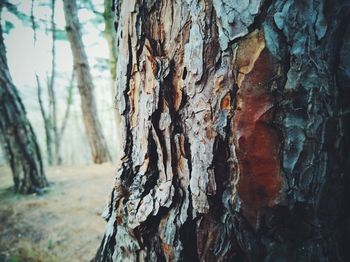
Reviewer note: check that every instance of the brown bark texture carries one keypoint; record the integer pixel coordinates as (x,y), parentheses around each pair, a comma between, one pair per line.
(98,146)
(235,117)
(17,136)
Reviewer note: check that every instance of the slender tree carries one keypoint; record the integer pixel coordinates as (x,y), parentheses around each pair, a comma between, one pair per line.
(51,87)
(69,102)
(46,119)
(99,150)
(51,123)
(16,133)
(109,33)
(45,116)
(234,132)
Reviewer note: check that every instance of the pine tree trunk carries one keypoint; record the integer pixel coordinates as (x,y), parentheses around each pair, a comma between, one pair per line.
(99,150)
(69,101)
(46,119)
(235,123)
(16,134)
(51,90)
(109,33)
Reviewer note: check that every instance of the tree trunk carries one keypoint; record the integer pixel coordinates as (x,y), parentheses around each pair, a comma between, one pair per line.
(109,33)
(46,119)
(96,140)
(16,134)
(234,131)
(51,89)
(66,115)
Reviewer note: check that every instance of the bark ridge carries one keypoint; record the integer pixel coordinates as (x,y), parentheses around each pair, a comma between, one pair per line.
(233,132)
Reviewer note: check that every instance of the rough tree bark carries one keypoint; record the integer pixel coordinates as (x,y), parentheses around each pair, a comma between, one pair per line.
(98,146)
(235,139)
(16,134)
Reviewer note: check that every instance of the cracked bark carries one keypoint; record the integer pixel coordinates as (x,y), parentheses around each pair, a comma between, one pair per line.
(234,130)
(16,134)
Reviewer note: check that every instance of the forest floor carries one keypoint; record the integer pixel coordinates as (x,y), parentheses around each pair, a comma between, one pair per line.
(64,224)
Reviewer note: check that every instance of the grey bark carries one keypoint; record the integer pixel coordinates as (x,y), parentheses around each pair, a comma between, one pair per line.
(98,146)
(16,134)
(235,117)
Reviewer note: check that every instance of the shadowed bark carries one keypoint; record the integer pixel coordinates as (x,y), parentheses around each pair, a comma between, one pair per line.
(16,134)
(234,118)
(99,150)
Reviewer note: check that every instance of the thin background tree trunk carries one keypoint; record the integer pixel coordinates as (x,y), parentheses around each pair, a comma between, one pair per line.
(110,33)
(69,101)
(99,150)
(16,134)
(234,132)
(45,117)
(51,88)
(46,122)
(50,119)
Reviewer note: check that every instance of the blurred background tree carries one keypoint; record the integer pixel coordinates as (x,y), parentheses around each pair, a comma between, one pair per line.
(17,137)
(41,108)
(41,63)
(98,146)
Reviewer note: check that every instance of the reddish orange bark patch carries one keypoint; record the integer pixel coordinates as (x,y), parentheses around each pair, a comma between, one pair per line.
(257,142)
(226,102)
(167,250)
(119,220)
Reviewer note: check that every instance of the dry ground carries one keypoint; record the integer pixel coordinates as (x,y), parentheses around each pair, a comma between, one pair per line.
(62,225)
